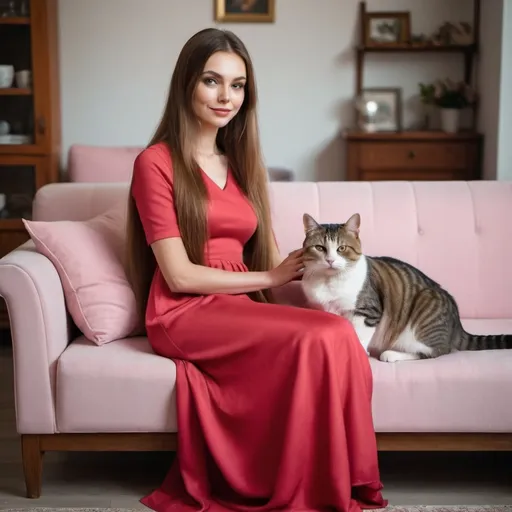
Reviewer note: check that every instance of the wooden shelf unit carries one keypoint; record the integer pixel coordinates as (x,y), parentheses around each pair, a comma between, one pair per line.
(28,43)
(15,21)
(15,91)
(415,155)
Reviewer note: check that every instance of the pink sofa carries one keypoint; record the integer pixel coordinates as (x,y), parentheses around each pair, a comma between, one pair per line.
(73,395)
(100,164)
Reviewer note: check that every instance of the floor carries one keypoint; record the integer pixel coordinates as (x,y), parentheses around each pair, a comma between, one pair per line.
(120,479)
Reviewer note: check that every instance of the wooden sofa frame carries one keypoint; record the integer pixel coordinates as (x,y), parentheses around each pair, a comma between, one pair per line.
(35,445)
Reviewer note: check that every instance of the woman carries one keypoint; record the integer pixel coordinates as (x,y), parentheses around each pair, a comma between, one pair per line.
(273,401)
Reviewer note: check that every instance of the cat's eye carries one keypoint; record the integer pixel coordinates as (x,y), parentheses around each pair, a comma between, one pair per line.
(320,248)
(342,248)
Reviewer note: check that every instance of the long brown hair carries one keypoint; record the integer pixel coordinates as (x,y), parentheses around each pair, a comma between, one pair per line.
(238,140)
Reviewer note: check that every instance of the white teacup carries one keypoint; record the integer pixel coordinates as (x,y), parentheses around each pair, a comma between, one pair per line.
(5,127)
(6,76)
(24,79)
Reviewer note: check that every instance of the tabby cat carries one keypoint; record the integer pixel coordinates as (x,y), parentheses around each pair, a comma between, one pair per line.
(398,312)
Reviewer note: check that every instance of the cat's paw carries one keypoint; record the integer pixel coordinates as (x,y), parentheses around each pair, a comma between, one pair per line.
(388,356)
(392,356)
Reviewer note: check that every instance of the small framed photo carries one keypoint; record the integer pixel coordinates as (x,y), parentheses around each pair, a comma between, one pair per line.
(240,11)
(387,28)
(379,109)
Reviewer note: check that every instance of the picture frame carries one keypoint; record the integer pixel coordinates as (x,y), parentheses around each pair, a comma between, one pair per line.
(388,117)
(245,11)
(386,28)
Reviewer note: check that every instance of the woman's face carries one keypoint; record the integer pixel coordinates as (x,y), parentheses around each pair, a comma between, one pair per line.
(220,91)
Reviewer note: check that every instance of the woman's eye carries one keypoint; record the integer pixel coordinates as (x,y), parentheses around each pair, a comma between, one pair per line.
(209,81)
(320,248)
(342,248)
(238,86)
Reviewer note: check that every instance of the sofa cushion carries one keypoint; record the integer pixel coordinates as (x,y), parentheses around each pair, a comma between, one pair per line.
(88,256)
(119,387)
(125,387)
(458,392)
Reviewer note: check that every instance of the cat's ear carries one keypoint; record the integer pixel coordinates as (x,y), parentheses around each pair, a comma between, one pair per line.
(353,224)
(309,223)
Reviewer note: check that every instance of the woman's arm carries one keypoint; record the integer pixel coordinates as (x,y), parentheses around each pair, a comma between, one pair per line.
(183,276)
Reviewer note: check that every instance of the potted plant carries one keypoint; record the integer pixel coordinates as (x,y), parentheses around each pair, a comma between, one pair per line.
(451,97)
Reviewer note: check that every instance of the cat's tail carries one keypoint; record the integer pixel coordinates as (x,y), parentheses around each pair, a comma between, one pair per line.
(485,342)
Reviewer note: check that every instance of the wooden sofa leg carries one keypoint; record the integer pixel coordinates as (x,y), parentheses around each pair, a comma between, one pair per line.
(32,456)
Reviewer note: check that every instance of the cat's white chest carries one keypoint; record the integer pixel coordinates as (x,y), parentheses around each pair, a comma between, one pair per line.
(337,293)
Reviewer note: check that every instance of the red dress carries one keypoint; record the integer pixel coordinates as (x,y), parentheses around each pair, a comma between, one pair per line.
(273,401)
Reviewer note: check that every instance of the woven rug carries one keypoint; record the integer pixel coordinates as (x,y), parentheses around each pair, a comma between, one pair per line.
(417,508)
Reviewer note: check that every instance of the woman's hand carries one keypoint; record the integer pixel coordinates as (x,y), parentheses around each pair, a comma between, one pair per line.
(291,268)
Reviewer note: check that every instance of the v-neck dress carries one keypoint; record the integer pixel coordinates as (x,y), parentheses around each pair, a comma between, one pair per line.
(273,401)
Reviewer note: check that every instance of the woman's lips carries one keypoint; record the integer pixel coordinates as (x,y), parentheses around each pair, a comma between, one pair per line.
(221,111)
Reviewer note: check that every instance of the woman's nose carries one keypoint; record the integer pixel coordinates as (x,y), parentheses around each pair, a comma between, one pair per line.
(224,96)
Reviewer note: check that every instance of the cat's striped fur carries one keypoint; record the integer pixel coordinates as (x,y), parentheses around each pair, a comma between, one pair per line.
(398,312)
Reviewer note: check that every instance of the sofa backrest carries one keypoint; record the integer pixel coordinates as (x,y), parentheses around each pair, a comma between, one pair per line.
(95,164)
(458,233)
(104,164)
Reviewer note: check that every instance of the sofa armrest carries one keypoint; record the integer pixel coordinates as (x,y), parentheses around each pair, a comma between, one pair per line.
(40,332)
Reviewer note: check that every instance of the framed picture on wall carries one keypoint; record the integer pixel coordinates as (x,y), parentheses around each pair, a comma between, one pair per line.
(379,109)
(387,28)
(239,11)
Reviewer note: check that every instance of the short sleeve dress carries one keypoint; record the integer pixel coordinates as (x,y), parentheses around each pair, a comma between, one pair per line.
(273,401)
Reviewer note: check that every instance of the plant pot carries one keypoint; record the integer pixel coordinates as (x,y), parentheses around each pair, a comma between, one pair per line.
(450,120)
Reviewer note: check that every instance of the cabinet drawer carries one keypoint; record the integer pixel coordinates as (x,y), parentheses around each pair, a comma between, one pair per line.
(415,155)
(413,175)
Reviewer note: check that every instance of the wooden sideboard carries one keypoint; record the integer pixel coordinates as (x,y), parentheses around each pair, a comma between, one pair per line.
(413,156)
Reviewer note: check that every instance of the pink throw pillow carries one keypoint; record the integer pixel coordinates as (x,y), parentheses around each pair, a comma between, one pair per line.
(88,256)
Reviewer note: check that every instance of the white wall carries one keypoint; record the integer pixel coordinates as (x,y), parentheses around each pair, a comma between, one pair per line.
(495,79)
(504,167)
(117,58)
(490,60)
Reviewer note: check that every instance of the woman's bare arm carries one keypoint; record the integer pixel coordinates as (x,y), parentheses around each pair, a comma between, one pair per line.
(183,276)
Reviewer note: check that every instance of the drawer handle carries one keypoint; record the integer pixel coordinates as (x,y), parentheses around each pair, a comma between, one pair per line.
(411,154)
